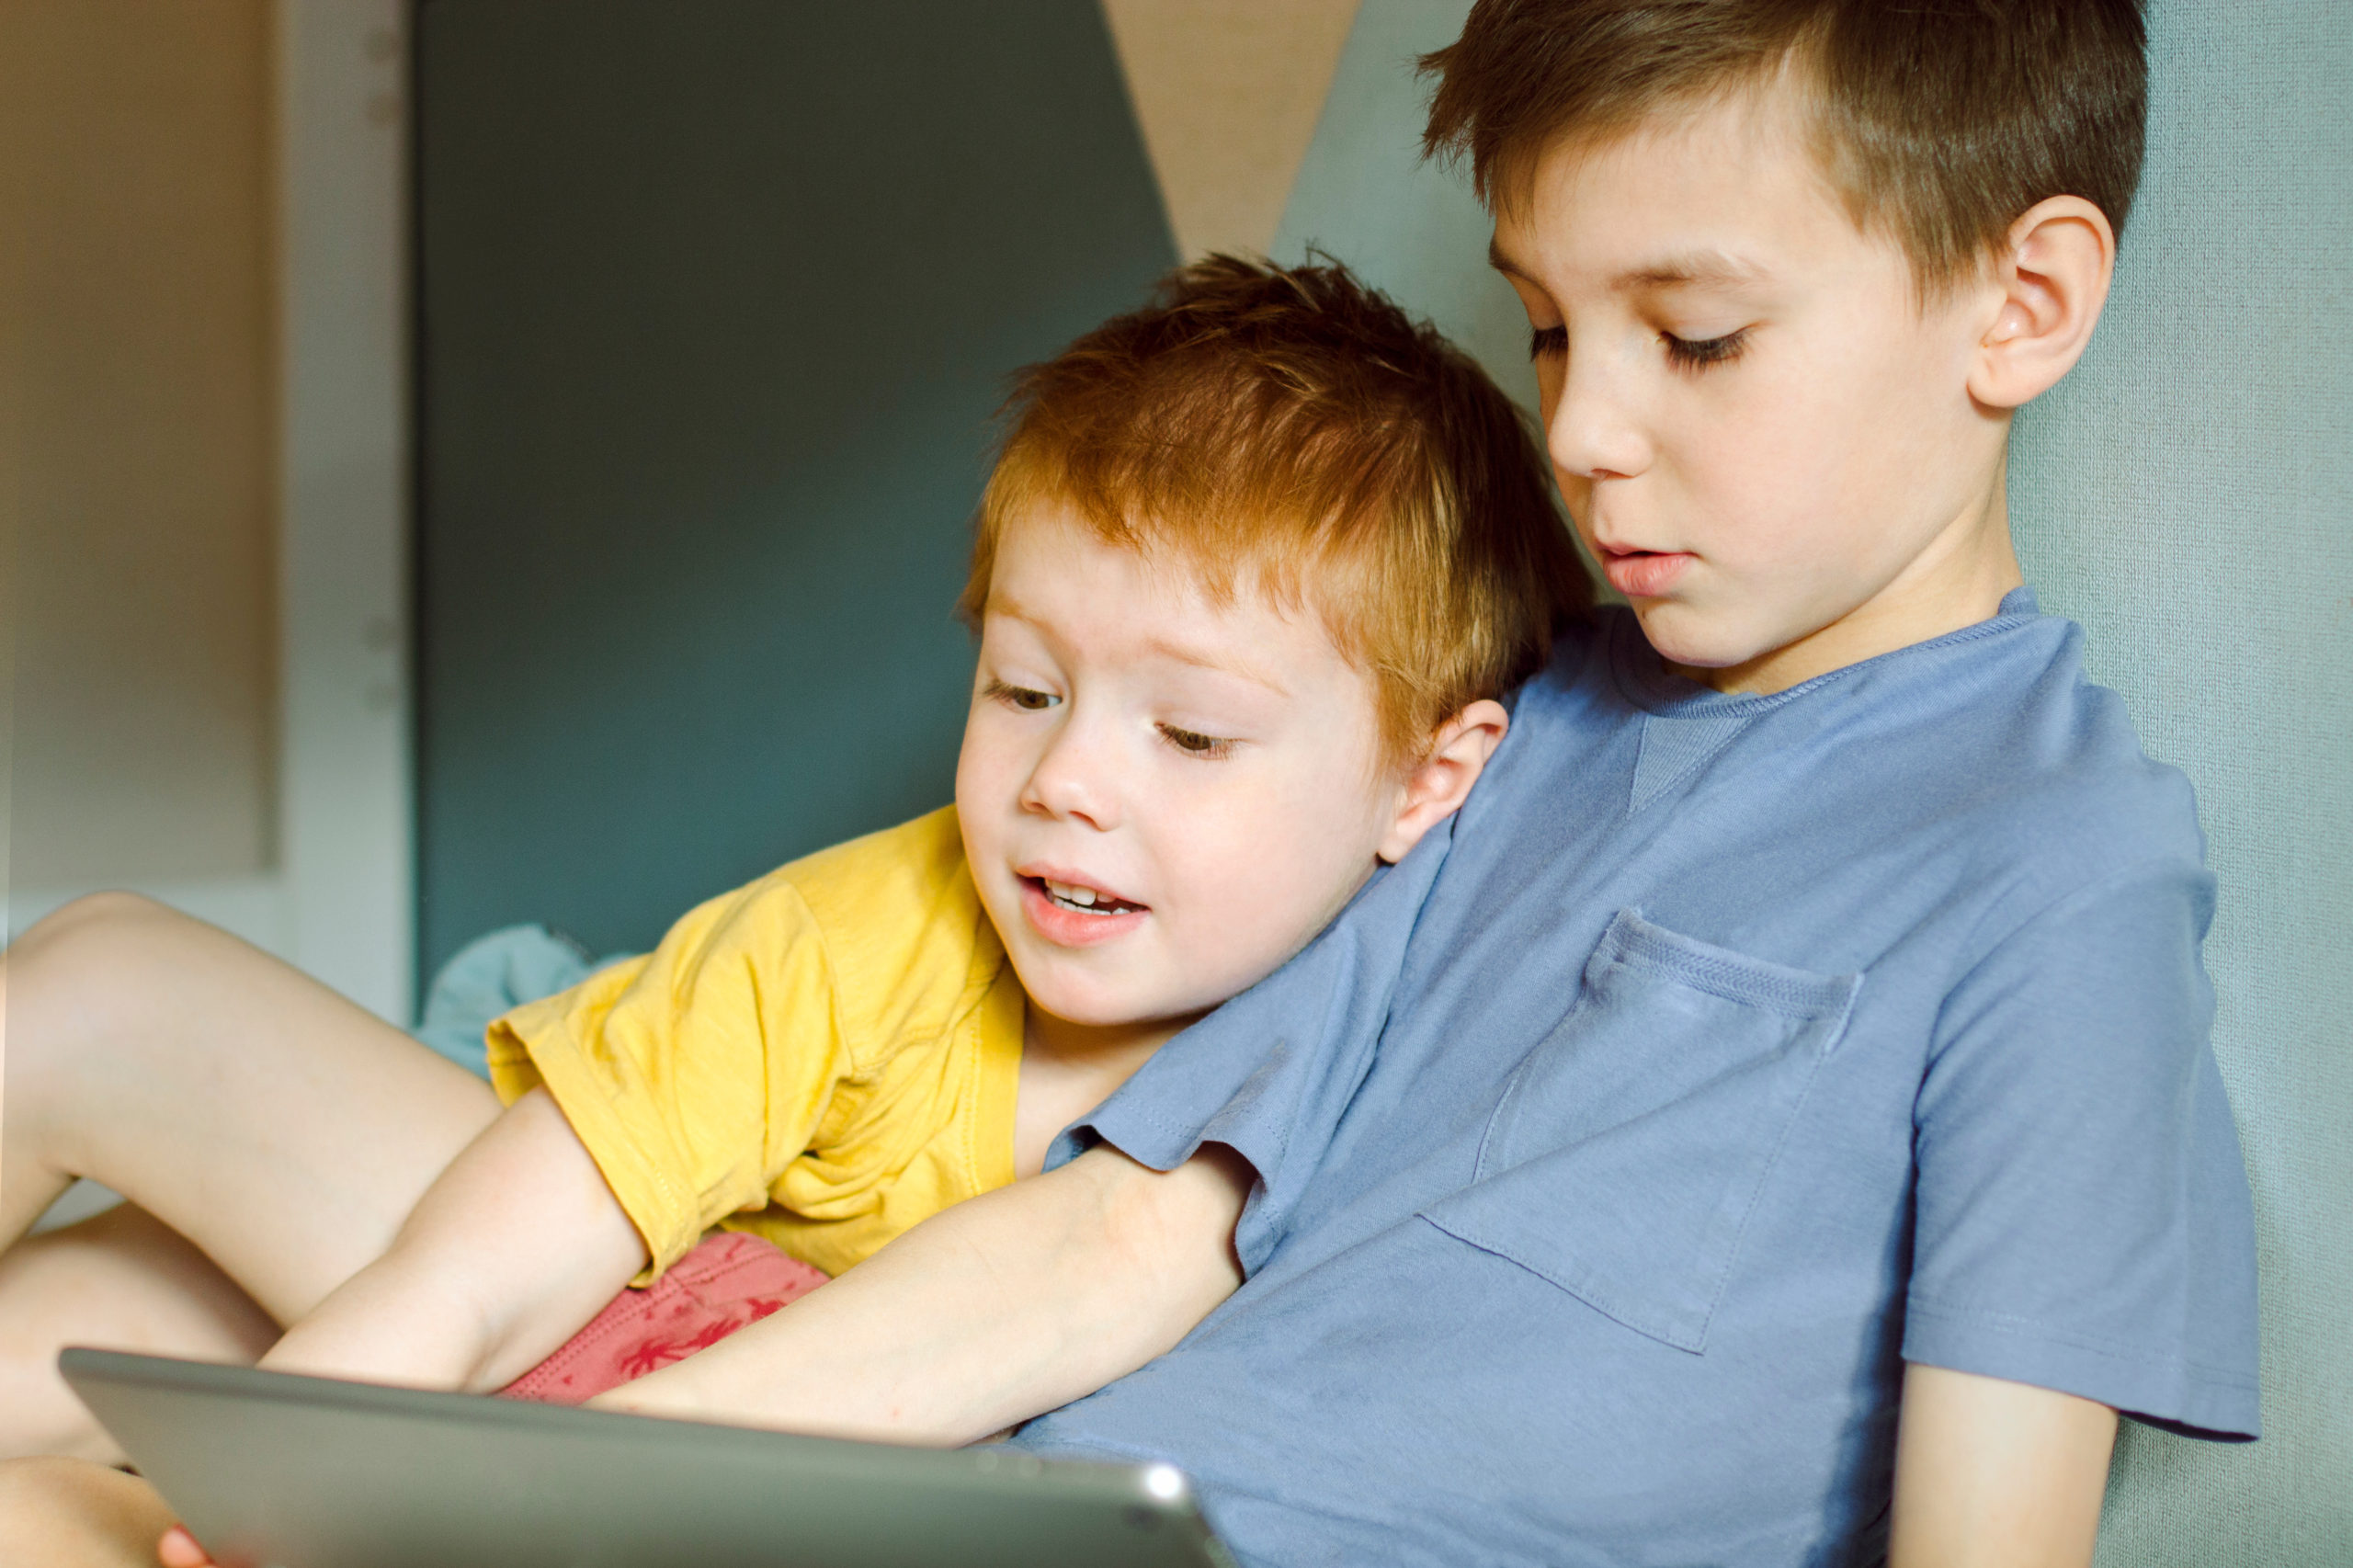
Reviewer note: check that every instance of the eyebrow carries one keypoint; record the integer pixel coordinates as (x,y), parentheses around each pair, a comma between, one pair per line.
(1177,652)
(1504,264)
(1698,266)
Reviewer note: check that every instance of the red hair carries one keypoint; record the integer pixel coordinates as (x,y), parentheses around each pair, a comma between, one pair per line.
(1290,430)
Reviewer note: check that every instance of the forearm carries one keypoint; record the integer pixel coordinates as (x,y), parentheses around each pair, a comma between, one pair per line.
(988,1314)
(513,1248)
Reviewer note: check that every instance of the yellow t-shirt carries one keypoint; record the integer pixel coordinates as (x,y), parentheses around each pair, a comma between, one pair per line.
(823,1058)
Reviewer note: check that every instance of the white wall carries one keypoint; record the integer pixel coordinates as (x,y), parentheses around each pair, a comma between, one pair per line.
(346,813)
(116,757)
(135,155)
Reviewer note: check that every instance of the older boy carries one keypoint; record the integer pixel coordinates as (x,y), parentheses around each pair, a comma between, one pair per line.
(1804,1156)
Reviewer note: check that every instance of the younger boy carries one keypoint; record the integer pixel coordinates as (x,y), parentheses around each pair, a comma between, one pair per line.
(1253,566)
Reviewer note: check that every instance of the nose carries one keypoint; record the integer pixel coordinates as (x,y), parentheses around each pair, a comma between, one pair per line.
(1072,779)
(1589,427)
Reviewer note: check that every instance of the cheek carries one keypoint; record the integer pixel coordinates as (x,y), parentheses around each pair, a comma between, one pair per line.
(989,771)
(1256,884)
(1796,461)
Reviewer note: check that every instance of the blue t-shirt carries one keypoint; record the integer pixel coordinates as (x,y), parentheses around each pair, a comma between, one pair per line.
(1617,1149)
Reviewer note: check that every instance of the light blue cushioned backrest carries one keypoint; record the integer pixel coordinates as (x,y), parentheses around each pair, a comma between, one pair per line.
(2184,495)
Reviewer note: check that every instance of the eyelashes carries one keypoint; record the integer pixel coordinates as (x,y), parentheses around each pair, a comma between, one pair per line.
(1029,700)
(1684,354)
(1192,743)
(1025,699)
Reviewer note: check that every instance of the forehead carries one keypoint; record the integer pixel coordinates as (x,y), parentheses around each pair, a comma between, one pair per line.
(1728,194)
(1056,574)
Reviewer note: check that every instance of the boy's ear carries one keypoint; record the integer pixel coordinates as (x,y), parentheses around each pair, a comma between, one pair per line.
(2049,284)
(1440,781)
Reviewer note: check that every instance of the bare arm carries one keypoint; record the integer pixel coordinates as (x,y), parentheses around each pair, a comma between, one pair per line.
(993,1310)
(516,1246)
(1996,1473)
(1003,1307)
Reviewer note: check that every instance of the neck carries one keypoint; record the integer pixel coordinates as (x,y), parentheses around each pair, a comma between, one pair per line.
(1070,1047)
(1069,1069)
(1957,581)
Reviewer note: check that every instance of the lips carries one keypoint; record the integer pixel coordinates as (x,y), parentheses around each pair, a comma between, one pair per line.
(1643,574)
(1072,911)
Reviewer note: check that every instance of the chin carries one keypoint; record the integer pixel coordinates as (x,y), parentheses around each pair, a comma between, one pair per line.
(1093,1015)
(1091,1006)
(1681,637)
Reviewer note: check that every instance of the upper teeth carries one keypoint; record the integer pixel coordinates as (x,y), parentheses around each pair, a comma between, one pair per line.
(1069,894)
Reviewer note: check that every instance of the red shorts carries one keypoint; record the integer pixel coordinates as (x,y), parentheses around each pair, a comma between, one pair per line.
(728,1281)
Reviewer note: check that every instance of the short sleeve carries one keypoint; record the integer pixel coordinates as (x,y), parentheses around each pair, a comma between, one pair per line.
(693,1075)
(1270,1072)
(2082,1220)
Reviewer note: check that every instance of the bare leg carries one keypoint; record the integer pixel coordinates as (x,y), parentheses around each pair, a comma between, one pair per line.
(121,1279)
(71,1514)
(283,1131)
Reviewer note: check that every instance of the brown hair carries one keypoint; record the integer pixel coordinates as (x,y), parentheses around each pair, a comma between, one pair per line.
(1291,428)
(1941,120)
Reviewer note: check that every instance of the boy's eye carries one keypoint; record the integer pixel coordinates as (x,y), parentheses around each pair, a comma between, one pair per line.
(1544,340)
(1693,354)
(1026,699)
(1192,743)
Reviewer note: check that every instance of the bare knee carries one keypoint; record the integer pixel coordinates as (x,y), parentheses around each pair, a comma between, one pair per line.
(86,946)
(56,1511)
(86,975)
(97,917)
(68,1481)
(88,954)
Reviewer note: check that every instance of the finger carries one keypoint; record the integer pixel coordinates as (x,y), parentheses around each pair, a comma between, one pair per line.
(179,1549)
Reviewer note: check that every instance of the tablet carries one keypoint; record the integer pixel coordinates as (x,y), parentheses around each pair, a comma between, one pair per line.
(275,1470)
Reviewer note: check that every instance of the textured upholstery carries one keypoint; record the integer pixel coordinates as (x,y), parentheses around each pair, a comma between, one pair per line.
(2184,495)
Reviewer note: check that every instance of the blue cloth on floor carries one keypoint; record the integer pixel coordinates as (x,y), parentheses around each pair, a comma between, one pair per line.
(493,974)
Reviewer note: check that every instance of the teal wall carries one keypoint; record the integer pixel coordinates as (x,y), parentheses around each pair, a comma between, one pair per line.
(2185,496)
(716,300)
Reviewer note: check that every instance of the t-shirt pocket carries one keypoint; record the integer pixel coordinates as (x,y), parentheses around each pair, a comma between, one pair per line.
(1630,1146)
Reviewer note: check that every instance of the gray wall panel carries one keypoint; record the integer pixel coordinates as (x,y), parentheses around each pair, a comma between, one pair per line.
(716,301)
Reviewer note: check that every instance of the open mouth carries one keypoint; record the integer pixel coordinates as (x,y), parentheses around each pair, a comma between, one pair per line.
(1080,899)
